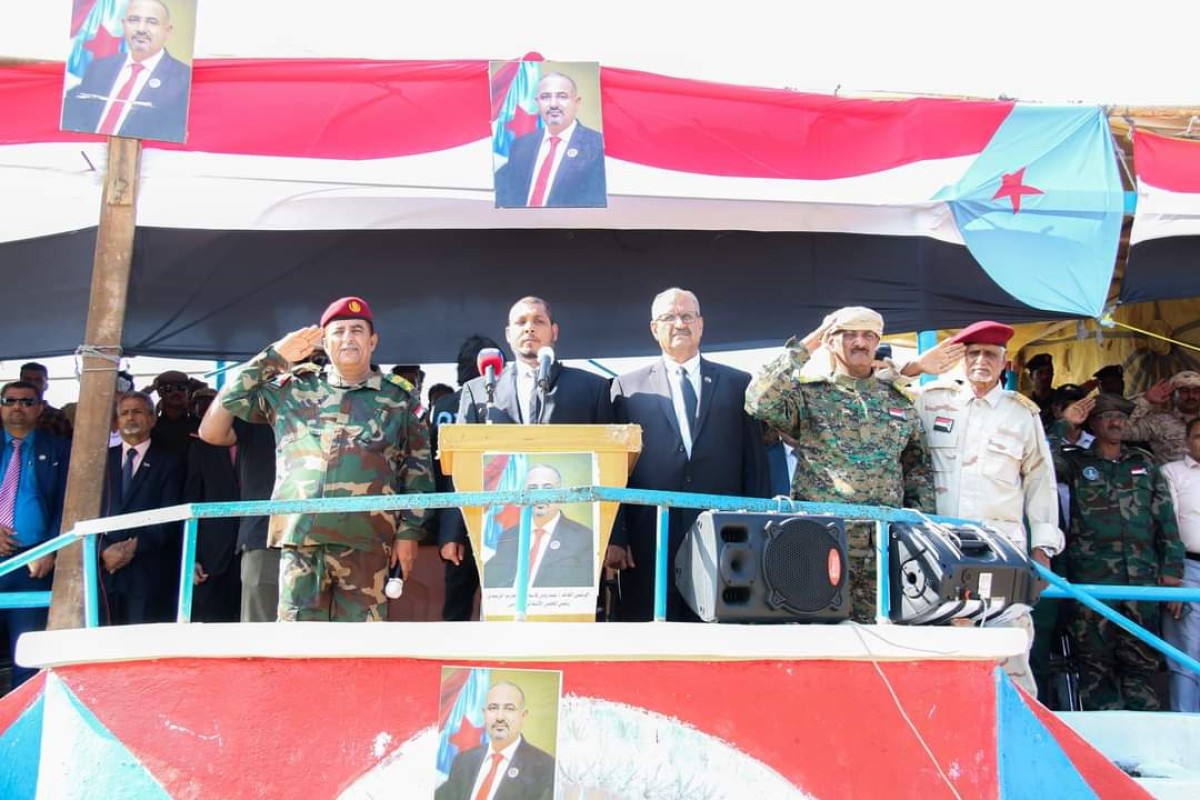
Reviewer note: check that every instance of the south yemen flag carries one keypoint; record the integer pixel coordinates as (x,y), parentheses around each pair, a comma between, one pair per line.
(775,206)
(1164,244)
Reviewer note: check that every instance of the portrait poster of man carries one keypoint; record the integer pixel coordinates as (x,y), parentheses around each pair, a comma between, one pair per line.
(129,68)
(547,135)
(563,541)
(497,733)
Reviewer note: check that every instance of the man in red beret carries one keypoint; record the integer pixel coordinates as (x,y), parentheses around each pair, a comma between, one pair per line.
(991,461)
(350,433)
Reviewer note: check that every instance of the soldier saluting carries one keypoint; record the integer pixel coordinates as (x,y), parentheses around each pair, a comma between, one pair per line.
(354,432)
(858,438)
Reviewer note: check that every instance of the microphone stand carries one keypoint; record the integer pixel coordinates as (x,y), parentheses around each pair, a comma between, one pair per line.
(490,384)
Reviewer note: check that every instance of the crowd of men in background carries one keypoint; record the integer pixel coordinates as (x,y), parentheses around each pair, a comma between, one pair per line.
(831,419)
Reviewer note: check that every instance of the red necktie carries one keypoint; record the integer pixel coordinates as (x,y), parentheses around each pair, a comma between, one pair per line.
(485,788)
(538,533)
(108,126)
(538,198)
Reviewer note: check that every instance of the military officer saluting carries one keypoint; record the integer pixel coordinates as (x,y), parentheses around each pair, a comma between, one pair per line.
(858,439)
(991,461)
(353,432)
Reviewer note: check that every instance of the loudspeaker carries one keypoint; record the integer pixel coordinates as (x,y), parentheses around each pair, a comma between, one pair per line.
(944,572)
(743,567)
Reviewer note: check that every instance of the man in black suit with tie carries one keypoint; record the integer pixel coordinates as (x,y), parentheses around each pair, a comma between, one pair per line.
(561,550)
(562,164)
(508,767)
(141,94)
(141,476)
(696,437)
(573,396)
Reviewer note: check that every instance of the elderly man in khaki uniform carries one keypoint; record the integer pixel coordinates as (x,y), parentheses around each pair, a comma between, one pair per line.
(991,461)
(1161,423)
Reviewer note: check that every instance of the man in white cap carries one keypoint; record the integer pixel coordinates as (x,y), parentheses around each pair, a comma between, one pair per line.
(991,461)
(1163,423)
(858,439)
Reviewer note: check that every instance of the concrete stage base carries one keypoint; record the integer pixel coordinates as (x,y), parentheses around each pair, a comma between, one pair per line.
(628,710)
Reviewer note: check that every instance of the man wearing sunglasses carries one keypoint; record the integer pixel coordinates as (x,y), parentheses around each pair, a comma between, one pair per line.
(33,481)
(175,427)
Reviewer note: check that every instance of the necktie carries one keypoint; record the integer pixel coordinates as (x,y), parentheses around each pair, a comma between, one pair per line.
(109,125)
(127,472)
(535,403)
(690,404)
(8,487)
(538,198)
(485,788)
(538,535)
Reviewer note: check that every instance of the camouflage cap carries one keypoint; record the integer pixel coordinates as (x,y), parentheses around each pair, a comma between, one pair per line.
(1111,402)
(1185,378)
(854,318)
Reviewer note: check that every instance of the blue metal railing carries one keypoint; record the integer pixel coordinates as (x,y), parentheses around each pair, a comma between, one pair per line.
(191,513)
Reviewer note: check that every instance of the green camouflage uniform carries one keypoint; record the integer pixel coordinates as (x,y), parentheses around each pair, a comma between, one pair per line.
(335,440)
(858,441)
(1122,532)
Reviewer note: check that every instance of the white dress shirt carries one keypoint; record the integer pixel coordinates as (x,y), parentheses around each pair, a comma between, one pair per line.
(486,767)
(538,557)
(543,151)
(991,462)
(142,79)
(1183,478)
(526,380)
(692,365)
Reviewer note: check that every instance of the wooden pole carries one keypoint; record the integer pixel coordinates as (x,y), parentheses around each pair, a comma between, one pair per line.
(97,382)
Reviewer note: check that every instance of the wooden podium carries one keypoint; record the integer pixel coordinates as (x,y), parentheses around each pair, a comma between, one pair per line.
(461,449)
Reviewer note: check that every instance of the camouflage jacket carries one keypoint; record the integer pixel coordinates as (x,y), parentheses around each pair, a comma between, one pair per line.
(336,440)
(858,440)
(1163,429)
(1123,528)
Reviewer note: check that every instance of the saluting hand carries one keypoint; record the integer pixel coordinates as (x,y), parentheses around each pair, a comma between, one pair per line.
(941,358)
(1159,393)
(817,336)
(299,345)
(1077,413)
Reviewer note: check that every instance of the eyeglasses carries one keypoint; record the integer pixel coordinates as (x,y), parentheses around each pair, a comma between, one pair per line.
(686,319)
(28,402)
(172,387)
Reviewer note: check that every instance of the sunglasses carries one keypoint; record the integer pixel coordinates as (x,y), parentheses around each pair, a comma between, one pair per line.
(28,402)
(172,387)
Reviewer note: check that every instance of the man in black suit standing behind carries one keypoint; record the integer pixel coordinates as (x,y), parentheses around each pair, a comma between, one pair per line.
(559,166)
(561,552)
(135,564)
(506,768)
(696,437)
(142,93)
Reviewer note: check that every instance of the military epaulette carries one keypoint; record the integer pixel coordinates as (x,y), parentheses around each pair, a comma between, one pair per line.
(943,384)
(401,381)
(1025,401)
(807,379)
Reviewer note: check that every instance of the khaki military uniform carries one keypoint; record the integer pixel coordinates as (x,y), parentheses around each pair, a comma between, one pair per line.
(1164,430)
(991,462)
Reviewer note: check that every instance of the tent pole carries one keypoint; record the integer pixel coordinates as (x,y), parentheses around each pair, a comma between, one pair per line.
(99,358)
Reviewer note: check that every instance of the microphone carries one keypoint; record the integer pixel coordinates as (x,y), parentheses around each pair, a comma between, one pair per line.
(489,362)
(545,361)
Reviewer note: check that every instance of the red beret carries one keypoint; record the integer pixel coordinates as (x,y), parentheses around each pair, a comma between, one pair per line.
(347,308)
(984,332)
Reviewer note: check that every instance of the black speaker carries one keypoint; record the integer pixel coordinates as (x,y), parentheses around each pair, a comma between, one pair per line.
(944,572)
(742,567)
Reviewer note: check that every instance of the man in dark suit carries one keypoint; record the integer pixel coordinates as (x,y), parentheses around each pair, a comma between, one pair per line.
(135,564)
(141,94)
(33,481)
(212,477)
(523,772)
(561,551)
(696,437)
(573,397)
(561,165)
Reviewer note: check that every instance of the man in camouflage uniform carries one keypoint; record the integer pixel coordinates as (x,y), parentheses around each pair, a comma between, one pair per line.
(1161,423)
(1123,532)
(858,439)
(354,432)
(991,461)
